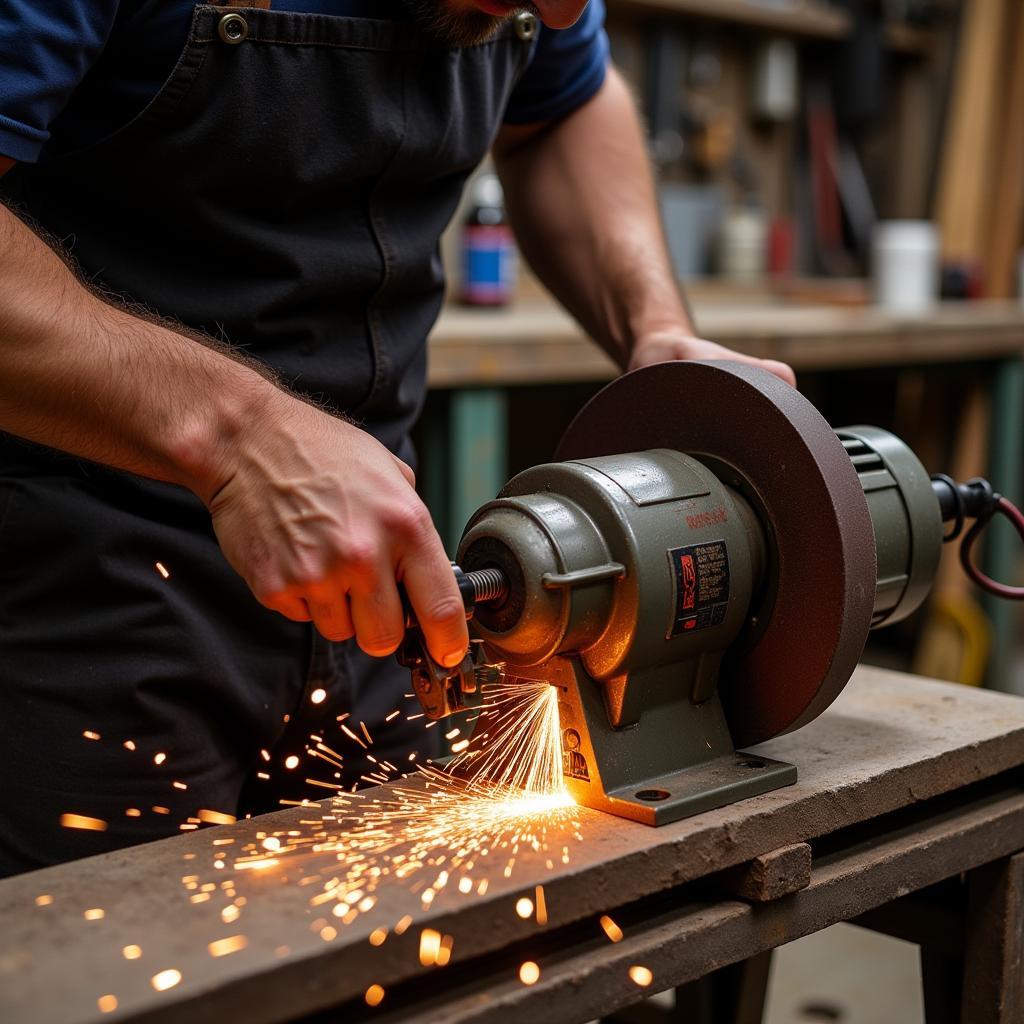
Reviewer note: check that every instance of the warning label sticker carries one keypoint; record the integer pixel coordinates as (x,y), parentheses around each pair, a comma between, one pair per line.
(701,575)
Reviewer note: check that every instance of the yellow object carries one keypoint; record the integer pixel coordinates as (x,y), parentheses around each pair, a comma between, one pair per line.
(956,640)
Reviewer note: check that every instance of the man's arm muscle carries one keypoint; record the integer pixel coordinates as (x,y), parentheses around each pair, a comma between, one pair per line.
(580,195)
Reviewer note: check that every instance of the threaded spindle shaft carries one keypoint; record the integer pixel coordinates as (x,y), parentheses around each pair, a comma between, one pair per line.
(488,584)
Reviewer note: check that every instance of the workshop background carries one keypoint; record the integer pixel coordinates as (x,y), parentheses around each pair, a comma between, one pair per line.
(842,186)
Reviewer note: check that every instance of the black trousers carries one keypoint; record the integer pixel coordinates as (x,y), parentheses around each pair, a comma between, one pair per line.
(198,695)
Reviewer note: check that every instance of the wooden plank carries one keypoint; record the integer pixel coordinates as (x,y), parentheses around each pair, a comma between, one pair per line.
(797,17)
(889,741)
(962,200)
(1006,231)
(771,876)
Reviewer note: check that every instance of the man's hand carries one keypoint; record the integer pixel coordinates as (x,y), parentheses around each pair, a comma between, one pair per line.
(322,522)
(665,346)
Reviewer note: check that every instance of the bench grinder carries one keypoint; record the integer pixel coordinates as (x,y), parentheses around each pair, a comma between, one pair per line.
(697,572)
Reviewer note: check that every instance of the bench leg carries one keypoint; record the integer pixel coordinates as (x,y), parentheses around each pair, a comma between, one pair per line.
(942,983)
(730,995)
(993,978)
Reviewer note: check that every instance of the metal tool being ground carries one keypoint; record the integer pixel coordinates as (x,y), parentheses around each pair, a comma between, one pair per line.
(699,572)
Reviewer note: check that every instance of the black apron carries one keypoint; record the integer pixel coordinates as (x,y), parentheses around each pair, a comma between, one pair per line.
(285,192)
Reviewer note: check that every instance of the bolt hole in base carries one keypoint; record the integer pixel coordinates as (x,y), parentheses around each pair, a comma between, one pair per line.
(653,794)
(752,764)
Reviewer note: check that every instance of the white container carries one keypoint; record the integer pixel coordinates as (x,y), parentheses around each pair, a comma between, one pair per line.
(743,248)
(905,265)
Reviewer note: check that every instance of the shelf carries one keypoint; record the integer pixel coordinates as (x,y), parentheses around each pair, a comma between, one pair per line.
(809,18)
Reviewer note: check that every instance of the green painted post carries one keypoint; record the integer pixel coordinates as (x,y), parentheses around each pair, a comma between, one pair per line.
(477,455)
(1002,545)
(433,459)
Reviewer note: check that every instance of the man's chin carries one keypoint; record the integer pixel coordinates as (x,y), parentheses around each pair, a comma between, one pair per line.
(461,23)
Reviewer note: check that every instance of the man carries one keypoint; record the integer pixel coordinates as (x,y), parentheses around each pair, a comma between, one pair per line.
(206,503)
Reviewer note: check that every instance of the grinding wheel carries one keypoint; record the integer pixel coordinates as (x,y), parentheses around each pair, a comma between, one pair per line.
(789,459)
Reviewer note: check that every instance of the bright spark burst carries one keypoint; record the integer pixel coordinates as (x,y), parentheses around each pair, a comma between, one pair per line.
(431,832)
(434,831)
(517,741)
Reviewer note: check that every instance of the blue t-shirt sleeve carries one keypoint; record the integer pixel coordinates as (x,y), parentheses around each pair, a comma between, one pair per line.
(568,67)
(46,47)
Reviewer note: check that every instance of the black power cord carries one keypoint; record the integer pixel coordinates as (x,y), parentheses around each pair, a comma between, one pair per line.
(976,500)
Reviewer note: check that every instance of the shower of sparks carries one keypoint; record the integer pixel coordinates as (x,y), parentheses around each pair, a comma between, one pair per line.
(430,832)
(318,696)
(95,914)
(107,1003)
(641,976)
(161,568)
(131,952)
(611,929)
(374,994)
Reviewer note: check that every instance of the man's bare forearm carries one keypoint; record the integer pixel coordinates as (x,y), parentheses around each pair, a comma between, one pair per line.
(90,378)
(581,199)
(316,515)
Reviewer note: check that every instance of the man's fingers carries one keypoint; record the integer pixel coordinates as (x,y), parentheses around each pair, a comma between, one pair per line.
(331,614)
(782,370)
(377,614)
(289,605)
(434,596)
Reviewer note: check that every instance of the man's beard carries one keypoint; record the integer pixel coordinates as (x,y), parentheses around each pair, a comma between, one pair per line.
(456,27)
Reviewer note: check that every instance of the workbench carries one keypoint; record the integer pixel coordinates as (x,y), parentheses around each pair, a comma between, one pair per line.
(477,355)
(908,817)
